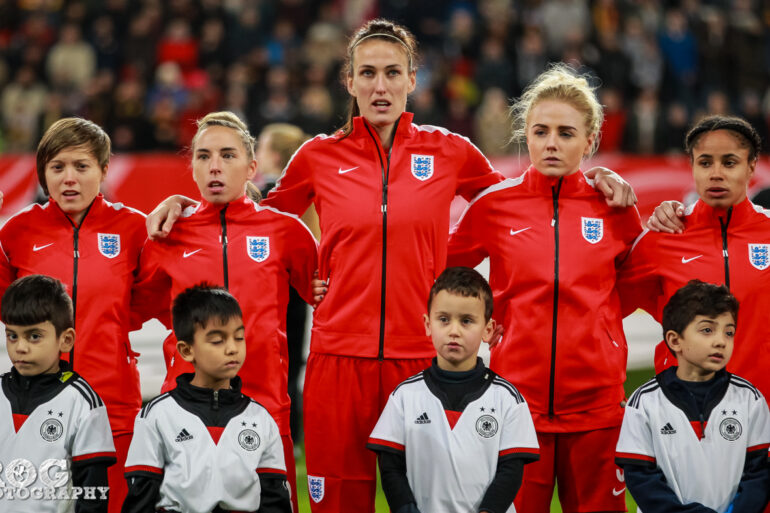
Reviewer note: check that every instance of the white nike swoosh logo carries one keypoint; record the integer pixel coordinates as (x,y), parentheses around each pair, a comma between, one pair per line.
(687,260)
(38,248)
(191,253)
(343,171)
(618,492)
(519,231)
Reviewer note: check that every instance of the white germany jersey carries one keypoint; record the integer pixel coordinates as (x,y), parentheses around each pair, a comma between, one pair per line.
(451,463)
(38,449)
(702,463)
(205,467)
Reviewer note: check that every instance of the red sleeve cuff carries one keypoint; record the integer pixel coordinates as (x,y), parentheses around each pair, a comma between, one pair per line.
(374,443)
(143,468)
(760,447)
(93,455)
(271,471)
(520,451)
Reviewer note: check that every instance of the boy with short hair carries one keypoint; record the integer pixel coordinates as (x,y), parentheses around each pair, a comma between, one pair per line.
(694,438)
(55,440)
(204,446)
(455,437)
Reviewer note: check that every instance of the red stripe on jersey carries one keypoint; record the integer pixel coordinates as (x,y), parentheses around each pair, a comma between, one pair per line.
(215,432)
(519,450)
(699,428)
(386,443)
(18,421)
(452,417)
(632,456)
(143,468)
(271,471)
(94,455)
(760,447)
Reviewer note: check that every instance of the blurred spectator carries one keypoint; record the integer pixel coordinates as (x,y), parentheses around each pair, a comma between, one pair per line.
(179,46)
(425,108)
(22,104)
(645,130)
(614,120)
(316,110)
(644,55)
(105,42)
(677,126)
(680,53)
(494,68)
(751,111)
(563,20)
(531,58)
(492,123)
(71,61)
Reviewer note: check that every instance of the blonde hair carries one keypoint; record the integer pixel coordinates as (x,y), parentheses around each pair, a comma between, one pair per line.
(229,120)
(559,82)
(285,139)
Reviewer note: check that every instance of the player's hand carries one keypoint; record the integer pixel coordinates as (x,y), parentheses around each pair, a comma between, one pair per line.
(163,217)
(617,192)
(320,288)
(667,218)
(497,335)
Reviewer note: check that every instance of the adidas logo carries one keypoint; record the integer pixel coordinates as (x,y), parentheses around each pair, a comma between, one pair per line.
(183,436)
(422,419)
(667,429)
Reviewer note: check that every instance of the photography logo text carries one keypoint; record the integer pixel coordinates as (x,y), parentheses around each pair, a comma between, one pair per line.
(21,480)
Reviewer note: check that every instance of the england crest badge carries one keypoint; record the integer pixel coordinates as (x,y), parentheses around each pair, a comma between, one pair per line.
(258,248)
(759,256)
(315,486)
(422,166)
(593,229)
(109,244)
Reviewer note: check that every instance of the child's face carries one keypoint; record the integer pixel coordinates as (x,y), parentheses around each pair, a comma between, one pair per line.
(35,349)
(217,352)
(704,347)
(456,325)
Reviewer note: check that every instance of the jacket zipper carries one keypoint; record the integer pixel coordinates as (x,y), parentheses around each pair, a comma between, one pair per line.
(555,224)
(223,239)
(384,209)
(215,407)
(76,258)
(724,224)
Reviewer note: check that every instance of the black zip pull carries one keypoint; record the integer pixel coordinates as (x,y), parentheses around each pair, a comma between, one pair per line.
(216,400)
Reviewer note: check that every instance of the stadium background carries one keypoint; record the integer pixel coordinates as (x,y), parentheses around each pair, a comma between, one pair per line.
(145,70)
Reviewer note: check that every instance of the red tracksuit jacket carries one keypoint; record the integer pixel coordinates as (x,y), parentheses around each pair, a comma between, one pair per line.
(97,263)
(384,218)
(256,253)
(730,247)
(554,246)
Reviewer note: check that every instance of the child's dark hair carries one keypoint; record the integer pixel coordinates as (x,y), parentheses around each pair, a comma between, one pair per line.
(195,306)
(747,135)
(697,298)
(463,281)
(34,299)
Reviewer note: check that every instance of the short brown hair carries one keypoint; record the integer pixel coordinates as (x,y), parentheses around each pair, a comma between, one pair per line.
(72,133)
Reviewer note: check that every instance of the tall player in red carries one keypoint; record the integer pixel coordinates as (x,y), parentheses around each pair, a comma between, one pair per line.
(253,251)
(554,247)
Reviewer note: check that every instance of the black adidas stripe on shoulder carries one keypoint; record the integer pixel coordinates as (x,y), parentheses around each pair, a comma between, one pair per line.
(417,377)
(91,397)
(743,383)
(507,385)
(147,407)
(650,386)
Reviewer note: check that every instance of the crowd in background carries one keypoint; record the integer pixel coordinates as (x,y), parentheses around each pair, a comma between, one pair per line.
(145,69)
